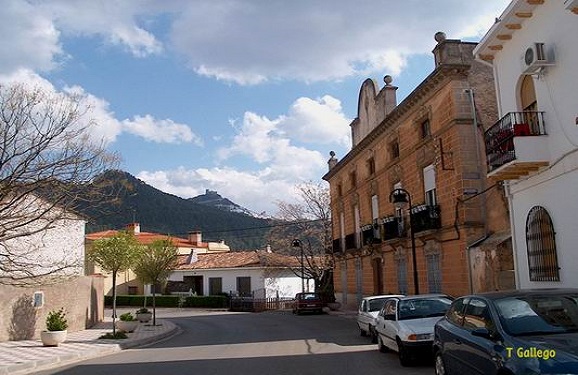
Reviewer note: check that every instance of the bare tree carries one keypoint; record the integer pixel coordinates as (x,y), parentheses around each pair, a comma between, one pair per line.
(308,222)
(49,166)
(155,265)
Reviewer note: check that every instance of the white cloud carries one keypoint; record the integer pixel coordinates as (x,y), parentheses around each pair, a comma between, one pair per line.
(28,38)
(161,131)
(249,43)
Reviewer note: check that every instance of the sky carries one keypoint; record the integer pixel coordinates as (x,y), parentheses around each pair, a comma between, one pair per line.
(243,97)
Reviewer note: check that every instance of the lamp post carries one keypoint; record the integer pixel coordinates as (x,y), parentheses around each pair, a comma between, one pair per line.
(400,199)
(297,243)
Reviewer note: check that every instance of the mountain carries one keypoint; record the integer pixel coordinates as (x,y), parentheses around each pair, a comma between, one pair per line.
(216,217)
(213,199)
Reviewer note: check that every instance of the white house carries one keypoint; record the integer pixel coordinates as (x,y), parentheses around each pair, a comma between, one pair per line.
(533,148)
(258,273)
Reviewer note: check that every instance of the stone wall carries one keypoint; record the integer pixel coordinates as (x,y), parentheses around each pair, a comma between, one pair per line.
(82,298)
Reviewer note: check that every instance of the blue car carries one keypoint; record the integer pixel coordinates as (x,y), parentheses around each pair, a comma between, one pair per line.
(507,333)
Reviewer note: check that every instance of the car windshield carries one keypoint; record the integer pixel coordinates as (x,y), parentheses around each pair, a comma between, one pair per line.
(423,307)
(539,314)
(309,296)
(376,304)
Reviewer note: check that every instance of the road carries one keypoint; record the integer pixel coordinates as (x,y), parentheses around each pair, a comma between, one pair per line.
(276,343)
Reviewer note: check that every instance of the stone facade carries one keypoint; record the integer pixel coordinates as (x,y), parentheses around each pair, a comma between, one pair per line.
(430,145)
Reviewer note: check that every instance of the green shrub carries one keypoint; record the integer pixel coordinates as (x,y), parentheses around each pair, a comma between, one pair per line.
(118,335)
(56,320)
(142,310)
(219,301)
(127,317)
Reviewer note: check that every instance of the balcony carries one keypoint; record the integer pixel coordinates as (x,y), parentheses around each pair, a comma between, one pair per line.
(392,227)
(371,233)
(425,217)
(516,145)
(351,241)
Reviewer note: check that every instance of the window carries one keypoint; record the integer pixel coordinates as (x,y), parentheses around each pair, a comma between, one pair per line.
(339,190)
(375,216)
(215,285)
(402,275)
(244,286)
(371,166)
(353,179)
(477,315)
(429,183)
(425,129)
(456,312)
(342,231)
(132,290)
(434,275)
(394,149)
(541,246)
(357,219)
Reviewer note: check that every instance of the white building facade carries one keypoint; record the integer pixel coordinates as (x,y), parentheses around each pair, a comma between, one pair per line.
(533,148)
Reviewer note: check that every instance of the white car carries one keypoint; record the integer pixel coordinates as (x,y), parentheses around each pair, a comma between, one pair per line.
(368,309)
(406,324)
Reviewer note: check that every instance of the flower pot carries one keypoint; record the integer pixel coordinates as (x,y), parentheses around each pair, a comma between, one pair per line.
(144,317)
(127,325)
(52,338)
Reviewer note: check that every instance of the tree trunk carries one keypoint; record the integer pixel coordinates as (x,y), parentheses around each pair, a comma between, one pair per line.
(114,304)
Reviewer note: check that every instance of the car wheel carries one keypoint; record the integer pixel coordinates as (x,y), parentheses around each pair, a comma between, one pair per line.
(373,335)
(403,353)
(439,366)
(382,348)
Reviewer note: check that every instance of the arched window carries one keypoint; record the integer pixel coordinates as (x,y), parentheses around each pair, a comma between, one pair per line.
(528,94)
(541,245)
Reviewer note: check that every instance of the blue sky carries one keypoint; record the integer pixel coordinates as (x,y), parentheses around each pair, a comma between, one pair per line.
(243,97)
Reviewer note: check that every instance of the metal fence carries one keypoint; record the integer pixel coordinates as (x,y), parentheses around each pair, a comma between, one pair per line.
(253,304)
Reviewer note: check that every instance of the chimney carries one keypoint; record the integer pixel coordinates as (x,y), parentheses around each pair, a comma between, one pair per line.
(195,237)
(133,228)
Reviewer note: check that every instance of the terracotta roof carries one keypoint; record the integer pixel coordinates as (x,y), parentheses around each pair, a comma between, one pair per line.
(146,238)
(237,260)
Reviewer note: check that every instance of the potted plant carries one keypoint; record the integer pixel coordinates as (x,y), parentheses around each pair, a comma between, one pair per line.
(144,315)
(56,325)
(127,322)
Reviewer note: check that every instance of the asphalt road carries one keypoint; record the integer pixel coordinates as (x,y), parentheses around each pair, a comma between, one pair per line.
(276,343)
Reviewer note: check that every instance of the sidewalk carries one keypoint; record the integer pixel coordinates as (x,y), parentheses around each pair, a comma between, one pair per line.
(25,357)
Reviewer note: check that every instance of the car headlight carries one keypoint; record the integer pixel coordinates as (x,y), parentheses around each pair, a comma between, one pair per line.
(420,336)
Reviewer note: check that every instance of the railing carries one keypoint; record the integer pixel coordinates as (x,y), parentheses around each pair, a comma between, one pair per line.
(499,139)
(351,241)
(252,304)
(392,228)
(337,246)
(425,217)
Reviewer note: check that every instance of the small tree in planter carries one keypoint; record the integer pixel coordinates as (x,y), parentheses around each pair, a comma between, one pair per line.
(115,254)
(155,264)
(56,326)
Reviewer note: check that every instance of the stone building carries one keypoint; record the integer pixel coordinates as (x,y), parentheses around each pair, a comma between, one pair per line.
(431,146)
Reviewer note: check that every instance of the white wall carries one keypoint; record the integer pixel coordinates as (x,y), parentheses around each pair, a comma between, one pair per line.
(268,281)
(554,188)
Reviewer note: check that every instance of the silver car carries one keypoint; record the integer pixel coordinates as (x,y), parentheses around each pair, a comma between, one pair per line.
(368,309)
(406,324)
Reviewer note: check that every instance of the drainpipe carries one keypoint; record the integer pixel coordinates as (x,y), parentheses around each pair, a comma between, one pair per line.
(508,193)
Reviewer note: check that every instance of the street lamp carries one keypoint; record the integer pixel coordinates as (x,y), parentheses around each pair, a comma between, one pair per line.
(401,199)
(297,243)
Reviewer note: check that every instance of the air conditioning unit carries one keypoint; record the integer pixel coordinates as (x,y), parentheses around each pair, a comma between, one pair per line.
(535,57)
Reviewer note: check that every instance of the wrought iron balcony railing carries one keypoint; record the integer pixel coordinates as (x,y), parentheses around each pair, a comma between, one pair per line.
(499,139)
(425,217)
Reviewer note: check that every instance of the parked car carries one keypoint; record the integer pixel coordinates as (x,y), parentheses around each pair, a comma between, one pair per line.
(406,324)
(307,302)
(515,332)
(367,312)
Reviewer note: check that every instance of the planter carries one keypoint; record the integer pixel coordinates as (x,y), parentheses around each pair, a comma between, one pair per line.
(127,325)
(334,306)
(52,338)
(144,317)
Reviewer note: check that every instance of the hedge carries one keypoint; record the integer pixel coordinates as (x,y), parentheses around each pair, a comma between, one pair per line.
(169,301)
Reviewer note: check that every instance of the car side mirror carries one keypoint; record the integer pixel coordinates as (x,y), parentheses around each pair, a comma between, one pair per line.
(485,333)
(389,316)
